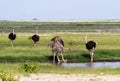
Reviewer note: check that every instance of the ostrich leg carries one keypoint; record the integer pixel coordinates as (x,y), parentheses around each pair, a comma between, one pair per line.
(92,53)
(34,44)
(12,43)
(91,56)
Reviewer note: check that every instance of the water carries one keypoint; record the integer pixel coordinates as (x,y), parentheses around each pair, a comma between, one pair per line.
(93,65)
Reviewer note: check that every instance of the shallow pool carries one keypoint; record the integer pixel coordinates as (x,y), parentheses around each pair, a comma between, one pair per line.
(93,65)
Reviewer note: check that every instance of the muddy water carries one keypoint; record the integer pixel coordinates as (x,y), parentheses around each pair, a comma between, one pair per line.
(93,65)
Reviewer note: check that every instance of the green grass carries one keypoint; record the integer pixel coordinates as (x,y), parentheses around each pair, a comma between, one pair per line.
(29,27)
(105,34)
(51,68)
(23,50)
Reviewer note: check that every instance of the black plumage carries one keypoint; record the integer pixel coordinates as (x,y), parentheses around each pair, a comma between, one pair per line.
(35,38)
(12,36)
(90,45)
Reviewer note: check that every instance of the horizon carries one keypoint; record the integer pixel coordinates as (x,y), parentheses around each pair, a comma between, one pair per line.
(100,20)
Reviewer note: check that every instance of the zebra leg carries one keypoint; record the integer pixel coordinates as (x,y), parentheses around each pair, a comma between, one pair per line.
(54,58)
(58,59)
(62,58)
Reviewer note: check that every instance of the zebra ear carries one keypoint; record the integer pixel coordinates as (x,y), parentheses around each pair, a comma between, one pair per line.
(53,39)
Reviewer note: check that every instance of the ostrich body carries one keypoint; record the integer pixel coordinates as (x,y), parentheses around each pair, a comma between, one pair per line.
(35,39)
(57,47)
(91,45)
(12,37)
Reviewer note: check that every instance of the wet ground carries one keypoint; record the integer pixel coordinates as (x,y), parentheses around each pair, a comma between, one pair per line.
(93,65)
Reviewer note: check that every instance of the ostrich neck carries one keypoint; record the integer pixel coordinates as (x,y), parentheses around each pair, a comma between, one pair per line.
(86,38)
(37,30)
(13,31)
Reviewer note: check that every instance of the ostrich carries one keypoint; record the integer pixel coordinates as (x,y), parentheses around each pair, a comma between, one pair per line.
(12,37)
(91,45)
(57,46)
(35,37)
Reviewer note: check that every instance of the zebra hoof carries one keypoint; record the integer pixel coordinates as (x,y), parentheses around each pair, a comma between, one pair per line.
(64,60)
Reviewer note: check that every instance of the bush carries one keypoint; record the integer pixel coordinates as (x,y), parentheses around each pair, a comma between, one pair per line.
(7,76)
(72,43)
(30,67)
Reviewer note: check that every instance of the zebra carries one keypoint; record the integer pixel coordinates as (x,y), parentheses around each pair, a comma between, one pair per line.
(57,46)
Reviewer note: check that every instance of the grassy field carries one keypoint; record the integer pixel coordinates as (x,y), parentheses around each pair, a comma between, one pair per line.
(106,35)
(108,48)
(45,27)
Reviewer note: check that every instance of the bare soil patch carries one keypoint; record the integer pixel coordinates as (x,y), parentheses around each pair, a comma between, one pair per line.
(70,77)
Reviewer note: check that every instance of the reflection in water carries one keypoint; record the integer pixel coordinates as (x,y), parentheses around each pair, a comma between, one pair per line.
(93,65)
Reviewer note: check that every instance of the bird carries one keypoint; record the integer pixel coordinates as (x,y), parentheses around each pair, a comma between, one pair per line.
(35,37)
(12,37)
(90,45)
